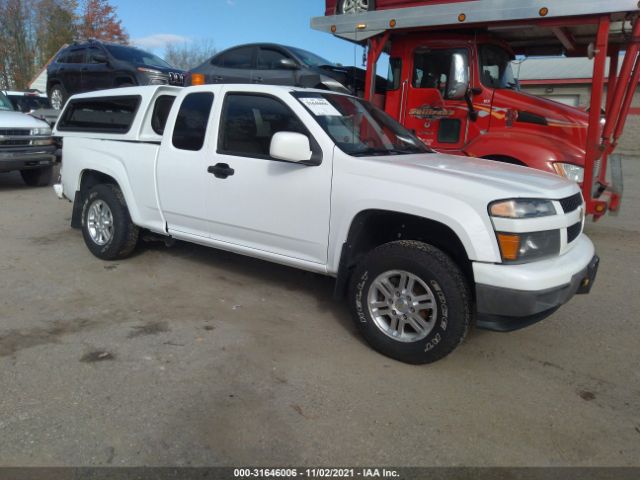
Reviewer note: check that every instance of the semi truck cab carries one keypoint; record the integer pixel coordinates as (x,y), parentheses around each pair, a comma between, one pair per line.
(460,95)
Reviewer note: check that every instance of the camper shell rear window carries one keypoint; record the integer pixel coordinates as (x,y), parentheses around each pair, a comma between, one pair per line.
(100,114)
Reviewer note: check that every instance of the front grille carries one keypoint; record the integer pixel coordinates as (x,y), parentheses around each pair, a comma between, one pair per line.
(574,231)
(15,132)
(176,78)
(14,143)
(571,203)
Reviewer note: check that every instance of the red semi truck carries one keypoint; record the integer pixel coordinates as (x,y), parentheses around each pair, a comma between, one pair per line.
(450,79)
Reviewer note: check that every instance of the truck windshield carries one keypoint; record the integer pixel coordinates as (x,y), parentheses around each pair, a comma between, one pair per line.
(495,68)
(357,127)
(134,55)
(5,104)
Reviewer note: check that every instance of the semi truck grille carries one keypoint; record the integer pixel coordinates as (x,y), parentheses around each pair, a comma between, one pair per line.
(574,231)
(571,203)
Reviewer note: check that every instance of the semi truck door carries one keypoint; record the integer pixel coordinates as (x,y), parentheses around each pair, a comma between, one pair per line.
(438,118)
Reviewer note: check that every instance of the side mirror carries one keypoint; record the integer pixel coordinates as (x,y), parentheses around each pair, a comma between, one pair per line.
(288,64)
(99,58)
(290,147)
(458,77)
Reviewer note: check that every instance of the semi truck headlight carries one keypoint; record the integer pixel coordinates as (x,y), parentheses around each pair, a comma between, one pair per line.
(569,171)
(522,208)
(526,247)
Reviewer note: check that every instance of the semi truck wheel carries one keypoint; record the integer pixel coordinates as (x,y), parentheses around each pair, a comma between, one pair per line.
(410,301)
(355,6)
(37,177)
(106,224)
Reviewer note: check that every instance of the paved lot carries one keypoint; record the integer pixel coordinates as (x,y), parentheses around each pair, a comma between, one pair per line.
(189,356)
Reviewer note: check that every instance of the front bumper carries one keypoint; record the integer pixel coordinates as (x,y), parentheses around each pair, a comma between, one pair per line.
(541,288)
(15,159)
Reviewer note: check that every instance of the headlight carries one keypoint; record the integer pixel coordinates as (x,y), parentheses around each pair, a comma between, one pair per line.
(526,247)
(522,208)
(149,70)
(569,171)
(43,131)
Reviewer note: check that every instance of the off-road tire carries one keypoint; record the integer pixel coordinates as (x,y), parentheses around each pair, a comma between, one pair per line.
(37,177)
(125,234)
(444,278)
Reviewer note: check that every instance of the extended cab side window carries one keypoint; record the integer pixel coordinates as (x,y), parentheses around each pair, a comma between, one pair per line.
(249,121)
(192,120)
(431,68)
(161,110)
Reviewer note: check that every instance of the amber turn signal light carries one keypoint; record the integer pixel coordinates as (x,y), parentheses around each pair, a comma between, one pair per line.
(197,79)
(509,245)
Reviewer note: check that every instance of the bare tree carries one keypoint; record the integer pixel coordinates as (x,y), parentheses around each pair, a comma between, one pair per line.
(56,26)
(189,54)
(18,50)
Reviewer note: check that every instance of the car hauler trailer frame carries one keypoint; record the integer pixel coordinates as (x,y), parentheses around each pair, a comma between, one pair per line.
(593,28)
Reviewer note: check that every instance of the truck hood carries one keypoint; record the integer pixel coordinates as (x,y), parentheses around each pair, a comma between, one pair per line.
(473,178)
(555,113)
(19,120)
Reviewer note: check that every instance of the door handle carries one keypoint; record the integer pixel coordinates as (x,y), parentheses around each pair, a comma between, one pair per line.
(258,80)
(221,170)
(218,78)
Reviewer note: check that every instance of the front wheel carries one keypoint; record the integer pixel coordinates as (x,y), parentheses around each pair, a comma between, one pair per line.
(355,6)
(37,177)
(107,228)
(410,301)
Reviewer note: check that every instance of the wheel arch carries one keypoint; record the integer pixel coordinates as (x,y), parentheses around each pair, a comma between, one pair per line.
(89,178)
(364,235)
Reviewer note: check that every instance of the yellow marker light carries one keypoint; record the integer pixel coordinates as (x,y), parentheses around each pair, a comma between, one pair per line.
(462,17)
(392,23)
(544,11)
(333,29)
(509,245)
(361,26)
(197,79)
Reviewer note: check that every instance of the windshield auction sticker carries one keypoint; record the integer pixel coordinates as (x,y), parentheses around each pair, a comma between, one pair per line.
(320,107)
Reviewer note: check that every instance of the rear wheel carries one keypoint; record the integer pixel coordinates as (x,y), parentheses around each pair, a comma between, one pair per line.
(58,97)
(410,301)
(107,228)
(37,177)
(355,6)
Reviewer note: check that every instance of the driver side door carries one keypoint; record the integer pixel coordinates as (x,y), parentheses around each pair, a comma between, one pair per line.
(262,203)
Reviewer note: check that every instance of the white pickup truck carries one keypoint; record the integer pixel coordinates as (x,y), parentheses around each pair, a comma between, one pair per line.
(25,145)
(422,244)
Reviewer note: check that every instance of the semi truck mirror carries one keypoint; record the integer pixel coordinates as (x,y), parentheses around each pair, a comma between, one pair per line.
(458,77)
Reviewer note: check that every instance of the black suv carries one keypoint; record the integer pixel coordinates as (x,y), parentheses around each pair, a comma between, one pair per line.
(94,65)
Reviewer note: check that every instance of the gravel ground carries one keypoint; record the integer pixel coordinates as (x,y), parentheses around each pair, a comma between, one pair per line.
(190,356)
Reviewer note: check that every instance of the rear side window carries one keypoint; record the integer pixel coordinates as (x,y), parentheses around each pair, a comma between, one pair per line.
(192,120)
(160,113)
(249,121)
(236,58)
(101,114)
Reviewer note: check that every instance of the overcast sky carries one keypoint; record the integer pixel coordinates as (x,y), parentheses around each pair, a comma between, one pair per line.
(152,23)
